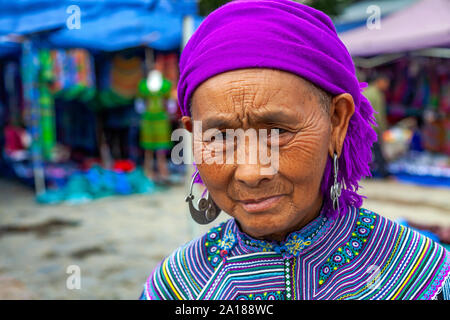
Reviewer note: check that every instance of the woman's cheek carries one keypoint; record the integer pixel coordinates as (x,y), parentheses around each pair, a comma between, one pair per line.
(304,157)
(215,176)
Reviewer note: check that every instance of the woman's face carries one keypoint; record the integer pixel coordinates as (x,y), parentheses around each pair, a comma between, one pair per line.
(266,204)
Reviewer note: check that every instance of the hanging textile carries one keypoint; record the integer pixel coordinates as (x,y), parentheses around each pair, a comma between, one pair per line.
(125,75)
(170,71)
(30,71)
(46,102)
(118,80)
(11,78)
(30,78)
(76,126)
(74,74)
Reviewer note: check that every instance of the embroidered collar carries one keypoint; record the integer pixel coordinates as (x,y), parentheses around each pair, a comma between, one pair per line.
(295,242)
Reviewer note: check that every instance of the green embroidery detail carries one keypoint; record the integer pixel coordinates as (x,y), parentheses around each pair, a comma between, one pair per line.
(345,254)
(218,244)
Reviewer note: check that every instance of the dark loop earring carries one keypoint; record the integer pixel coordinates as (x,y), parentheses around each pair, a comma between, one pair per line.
(336,188)
(207,210)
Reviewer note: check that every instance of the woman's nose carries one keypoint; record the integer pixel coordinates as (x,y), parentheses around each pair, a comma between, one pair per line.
(250,175)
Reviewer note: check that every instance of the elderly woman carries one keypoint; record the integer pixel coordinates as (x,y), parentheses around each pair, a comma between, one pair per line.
(297,232)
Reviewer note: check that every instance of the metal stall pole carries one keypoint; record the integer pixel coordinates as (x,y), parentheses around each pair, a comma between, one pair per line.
(148,154)
(30,68)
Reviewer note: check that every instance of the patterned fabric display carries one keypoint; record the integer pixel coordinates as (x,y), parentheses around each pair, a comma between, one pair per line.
(30,79)
(74,76)
(125,75)
(37,76)
(361,255)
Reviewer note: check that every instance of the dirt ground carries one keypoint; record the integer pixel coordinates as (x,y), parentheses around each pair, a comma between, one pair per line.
(117,241)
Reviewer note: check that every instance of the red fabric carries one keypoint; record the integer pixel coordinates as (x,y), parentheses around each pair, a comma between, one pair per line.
(124,165)
(13,138)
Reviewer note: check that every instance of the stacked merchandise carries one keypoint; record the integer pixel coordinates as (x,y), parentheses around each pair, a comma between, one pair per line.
(422,167)
(96,182)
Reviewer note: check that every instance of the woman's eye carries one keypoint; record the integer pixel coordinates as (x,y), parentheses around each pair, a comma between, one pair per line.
(217,137)
(280,130)
(221,134)
(281,137)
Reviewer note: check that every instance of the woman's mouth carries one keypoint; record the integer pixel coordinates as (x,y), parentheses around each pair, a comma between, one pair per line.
(258,205)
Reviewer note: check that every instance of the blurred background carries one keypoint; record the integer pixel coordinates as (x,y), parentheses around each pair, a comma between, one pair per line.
(88,102)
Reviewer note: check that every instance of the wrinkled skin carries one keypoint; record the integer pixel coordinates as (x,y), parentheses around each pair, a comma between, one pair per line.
(308,135)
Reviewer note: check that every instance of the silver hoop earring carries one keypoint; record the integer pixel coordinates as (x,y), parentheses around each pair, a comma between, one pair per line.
(336,188)
(207,210)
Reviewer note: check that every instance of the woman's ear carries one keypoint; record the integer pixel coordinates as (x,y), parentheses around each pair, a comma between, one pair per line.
(341,110)
(187,123)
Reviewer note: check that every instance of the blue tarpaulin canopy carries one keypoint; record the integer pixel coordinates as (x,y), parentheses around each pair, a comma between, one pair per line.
(104,24)
(118,30)
(7,48)
(23,17)
(30,16)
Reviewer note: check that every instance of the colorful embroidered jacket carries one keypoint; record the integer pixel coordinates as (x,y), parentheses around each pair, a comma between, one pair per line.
(361,255)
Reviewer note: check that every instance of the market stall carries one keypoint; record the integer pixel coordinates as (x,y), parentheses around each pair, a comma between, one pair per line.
(416,61)
(74,95)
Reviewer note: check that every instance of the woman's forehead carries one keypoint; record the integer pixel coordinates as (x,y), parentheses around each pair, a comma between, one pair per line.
(251,79)
(252,117)
(259,92)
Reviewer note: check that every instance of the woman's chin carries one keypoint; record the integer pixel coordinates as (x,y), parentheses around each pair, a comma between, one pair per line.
(262,225)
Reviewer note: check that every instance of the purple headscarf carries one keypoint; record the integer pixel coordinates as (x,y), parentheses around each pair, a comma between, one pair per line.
(289,36)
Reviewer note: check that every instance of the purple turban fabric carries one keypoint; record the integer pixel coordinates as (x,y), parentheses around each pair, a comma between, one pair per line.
(289,36)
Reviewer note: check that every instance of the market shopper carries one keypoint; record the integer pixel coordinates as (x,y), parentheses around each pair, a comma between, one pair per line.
(298,232)
(375,93)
